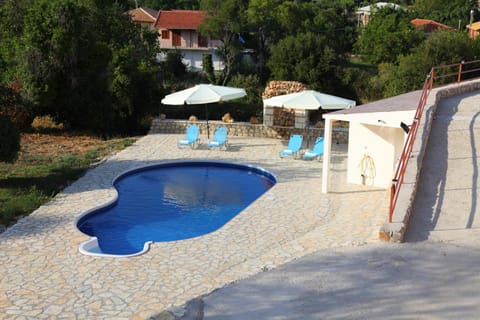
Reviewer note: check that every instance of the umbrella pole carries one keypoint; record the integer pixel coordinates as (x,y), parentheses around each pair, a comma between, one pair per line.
(208,126)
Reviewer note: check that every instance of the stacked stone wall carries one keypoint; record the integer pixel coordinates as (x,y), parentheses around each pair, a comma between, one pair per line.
(245,129)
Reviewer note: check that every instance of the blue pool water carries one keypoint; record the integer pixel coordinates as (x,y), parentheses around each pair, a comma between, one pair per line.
(172,202)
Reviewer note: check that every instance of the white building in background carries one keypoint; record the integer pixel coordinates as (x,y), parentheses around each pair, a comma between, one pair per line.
(364,13)
(178,30)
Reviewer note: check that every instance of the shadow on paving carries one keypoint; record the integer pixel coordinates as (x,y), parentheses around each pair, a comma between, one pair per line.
(407,281)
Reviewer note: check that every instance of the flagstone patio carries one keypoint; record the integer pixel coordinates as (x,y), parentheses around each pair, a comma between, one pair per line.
(45,277)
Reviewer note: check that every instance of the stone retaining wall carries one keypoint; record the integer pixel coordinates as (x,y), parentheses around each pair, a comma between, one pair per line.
(396,230)
(245,129)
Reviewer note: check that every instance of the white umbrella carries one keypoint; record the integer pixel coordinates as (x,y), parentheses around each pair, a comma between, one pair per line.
(309,100)
(203,94)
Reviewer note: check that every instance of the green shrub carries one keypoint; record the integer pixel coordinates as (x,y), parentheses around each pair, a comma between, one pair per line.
(9,140)
(252,104)
(208,67)
(15,108)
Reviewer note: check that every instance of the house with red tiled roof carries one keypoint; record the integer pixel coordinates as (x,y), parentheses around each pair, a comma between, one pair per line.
(429,26)
(145,17)
(178,30)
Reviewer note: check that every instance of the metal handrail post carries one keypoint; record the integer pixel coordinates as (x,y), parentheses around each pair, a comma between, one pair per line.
(432,72)
(392,200)
(459,78)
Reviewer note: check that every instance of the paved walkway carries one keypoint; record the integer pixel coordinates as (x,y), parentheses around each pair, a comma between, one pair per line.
(446,208)
(432,276)
(373,282)
(43,276)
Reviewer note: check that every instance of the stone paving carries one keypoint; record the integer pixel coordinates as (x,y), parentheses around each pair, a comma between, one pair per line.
(432,276)
(45,277)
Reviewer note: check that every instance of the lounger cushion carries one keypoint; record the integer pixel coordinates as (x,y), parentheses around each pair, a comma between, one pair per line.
(184,142)
(309,154)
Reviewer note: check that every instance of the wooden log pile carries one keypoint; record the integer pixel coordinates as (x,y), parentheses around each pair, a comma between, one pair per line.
(276,88)
(281,116)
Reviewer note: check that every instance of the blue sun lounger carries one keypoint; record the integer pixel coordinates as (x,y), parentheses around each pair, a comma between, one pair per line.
(219,138)
(316,151)
(191,137)
(294,145)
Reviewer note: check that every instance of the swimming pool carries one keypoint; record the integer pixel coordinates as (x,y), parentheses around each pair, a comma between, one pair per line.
(169,202)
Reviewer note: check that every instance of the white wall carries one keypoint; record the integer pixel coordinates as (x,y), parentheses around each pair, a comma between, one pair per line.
(373,151)
(193,59)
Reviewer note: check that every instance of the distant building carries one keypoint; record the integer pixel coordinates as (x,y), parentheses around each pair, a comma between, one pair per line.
(429,26)
(145,17)
(364,13)
(178,30)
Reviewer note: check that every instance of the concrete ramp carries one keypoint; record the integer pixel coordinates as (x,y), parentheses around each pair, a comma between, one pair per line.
(446,206)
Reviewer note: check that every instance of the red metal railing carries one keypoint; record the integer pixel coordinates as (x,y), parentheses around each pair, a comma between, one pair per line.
(441,74)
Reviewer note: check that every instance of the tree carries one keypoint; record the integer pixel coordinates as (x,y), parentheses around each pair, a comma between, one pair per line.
(225,21)
(251,84)
(265,25)
(62,61)
(307,58)
(331,19)
(388,35)
(134,84)
(270,21)
(449,12)
(207,65)
(11,26)
(9,133)
(9,140)
(442,48)
(165,4)
(86,64)
(361,86)
(173,68)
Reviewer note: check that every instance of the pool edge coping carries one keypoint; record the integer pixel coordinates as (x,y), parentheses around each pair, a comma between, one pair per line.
(91,243)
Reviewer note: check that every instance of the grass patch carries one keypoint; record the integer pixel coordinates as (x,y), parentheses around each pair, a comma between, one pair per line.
(46,165)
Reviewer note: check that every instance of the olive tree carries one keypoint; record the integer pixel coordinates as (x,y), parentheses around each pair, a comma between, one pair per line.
(388,35)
